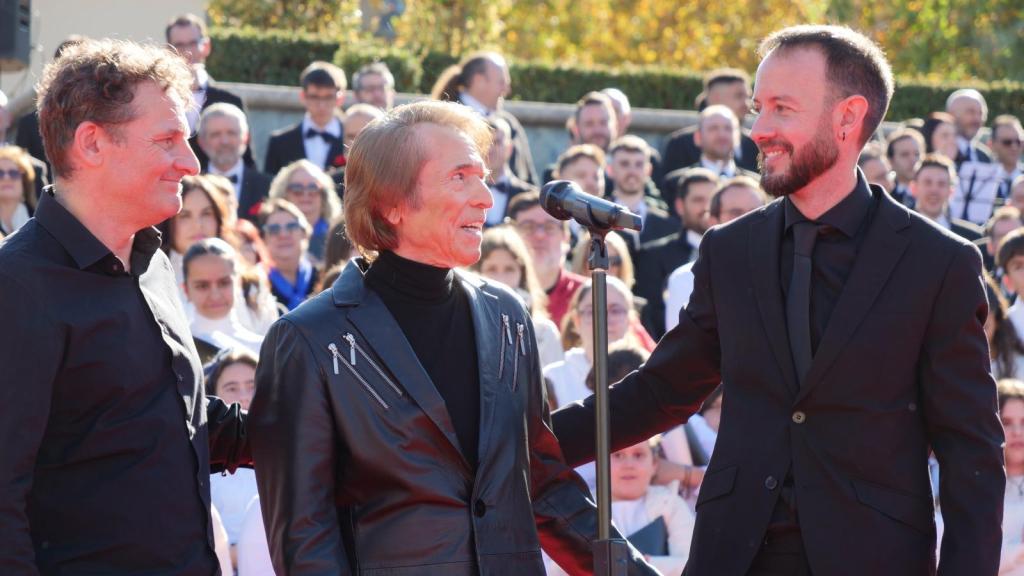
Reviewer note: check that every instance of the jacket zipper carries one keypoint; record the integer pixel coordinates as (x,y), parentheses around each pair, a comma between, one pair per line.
(508,334)
(522,350)
(335,354)
(355,347)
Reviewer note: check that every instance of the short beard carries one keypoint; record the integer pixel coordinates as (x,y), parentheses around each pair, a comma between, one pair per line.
(811,161)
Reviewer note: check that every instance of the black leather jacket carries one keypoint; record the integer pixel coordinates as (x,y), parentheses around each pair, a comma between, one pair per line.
(358,464)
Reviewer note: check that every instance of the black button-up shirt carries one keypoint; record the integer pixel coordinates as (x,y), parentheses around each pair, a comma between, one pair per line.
(107,435)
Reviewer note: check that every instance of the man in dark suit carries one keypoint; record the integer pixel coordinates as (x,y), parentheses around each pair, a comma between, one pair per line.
(319,137)
(969,110)
(932,187)
(629,165)
(187,34)
(223,135)
(1007,143)
(729,87)
(504,185)
(848,334)
(904,149)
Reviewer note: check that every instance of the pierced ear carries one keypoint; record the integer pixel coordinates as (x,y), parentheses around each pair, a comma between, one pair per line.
(852,112)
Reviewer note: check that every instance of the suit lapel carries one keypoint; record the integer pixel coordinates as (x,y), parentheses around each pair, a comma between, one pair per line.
(765,242)
(487,334)
(882,249)
(337,149)
(380,330)
(245,196)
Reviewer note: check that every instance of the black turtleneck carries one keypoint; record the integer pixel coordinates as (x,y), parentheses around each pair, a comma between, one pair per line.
(435,317)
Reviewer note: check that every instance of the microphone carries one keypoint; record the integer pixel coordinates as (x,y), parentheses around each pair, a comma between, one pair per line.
(564,200)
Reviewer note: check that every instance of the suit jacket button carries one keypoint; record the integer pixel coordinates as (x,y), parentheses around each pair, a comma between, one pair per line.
(771,483)
(799,417)
(479,508)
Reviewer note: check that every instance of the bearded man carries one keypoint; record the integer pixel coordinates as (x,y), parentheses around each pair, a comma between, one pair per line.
(848,334)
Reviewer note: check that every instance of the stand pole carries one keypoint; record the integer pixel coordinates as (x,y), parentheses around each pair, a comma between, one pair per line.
(610,555)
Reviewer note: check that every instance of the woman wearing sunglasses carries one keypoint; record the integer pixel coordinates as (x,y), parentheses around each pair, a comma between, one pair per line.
(312,191)
(17,190)
(286,232)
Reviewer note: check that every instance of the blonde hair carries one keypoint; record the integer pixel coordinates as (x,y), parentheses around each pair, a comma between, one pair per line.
(28,174)
(570,332)
(582,250)
(384,165)
(330,206)
(505,237)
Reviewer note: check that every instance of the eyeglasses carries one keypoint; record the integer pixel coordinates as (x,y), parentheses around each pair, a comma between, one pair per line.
(13,174)
(307,190)
(275,229)
(548,228)
(614,312)
(194,44)
(1010,142)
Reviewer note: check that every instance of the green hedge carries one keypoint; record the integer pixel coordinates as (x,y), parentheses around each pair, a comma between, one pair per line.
(248,55)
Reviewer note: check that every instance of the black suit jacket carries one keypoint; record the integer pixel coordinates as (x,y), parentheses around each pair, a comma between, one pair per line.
(680,152)
(213,96)
(521,161)
(512,187)
(984,155)
(288,145)
(255,189)
(655,261)
(965,229)
(670,182)
(902,368)
(367,457)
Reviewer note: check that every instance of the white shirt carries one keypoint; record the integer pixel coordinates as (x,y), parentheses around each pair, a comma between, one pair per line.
(316,147)
(727,169)
(226,332)
(966,148)
(474,104)
(496,213)
(231,495)
(677,293)
(198,98)
(569,377)
(637,206)
(238,170)
(18,219)
(253,552)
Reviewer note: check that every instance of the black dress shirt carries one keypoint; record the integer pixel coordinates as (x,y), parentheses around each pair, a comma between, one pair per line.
(835,252)
(108,437)
(433,312)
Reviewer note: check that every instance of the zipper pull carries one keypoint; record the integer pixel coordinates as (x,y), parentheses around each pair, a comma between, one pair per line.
(508,329)
(522,344)
(351,348)
(334,355)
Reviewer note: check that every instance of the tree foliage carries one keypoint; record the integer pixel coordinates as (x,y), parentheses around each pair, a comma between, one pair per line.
(934,39)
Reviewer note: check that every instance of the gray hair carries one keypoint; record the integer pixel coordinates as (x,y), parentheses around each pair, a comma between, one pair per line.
(378,68)
(224,110)
(970,93)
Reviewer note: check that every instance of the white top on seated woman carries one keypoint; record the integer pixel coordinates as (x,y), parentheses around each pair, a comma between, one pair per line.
(210,269)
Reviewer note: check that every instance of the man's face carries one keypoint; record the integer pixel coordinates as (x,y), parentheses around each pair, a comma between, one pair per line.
(630,171)
(223,141)
(443,227)
(931,189)
(374,90)
(321,102)
(1006,143)
(968,115)
(595,126)
(905,156)
(735,202)
(718,137)
(491,86)
(693,210)
(188,41)
(587,174)
(793,129)
(735,95)
(146,163)
(546,237)
(354,124)
(877,172)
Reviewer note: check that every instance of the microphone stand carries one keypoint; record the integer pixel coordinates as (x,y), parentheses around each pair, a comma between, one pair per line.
(610,554)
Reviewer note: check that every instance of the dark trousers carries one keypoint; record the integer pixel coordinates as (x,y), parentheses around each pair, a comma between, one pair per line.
(781,554)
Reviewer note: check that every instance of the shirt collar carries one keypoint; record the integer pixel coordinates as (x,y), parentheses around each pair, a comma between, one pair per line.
(846,216)
(83,247)
(727,168)
(474,103)
(236,169)
(693,238)
(963,144)
(202,78)
(333,127)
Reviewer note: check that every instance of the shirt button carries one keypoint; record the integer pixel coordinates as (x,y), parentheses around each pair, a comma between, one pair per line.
(799,417)
(771,483)
(479,508)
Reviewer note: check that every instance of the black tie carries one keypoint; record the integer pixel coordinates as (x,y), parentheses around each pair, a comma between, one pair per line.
(798,298)
(326,136)
(233,178)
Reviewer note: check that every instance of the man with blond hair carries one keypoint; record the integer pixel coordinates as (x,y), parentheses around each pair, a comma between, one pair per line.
(403,409)
(109,436)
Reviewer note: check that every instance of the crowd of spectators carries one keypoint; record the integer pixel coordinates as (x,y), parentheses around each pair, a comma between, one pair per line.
(254,240)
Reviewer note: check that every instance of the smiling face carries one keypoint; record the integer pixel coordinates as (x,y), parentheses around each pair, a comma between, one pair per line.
(595,125)
(632,470)
(11,183)
(793,128)
(629,170)
(501,266)
(586,173)
(284,236)
(931,188)
(154,145)
(196,221)
(443,225)
(306,193)
(211,285)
